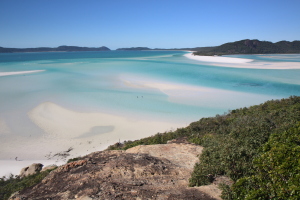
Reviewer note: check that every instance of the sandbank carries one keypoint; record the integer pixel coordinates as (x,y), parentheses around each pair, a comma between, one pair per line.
(20,72)
(223,61)
(217,59)
(59,122)
(195,95)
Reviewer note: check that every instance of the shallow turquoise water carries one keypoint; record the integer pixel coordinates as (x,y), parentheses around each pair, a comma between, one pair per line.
(90,81)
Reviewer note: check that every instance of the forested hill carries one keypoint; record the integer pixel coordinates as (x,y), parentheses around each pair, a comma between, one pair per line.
(133,49)
(49,49)
(252,47)
(165,49)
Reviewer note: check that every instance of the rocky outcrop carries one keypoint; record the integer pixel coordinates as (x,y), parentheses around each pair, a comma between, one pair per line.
(142,172)
(183,155)
(30,170)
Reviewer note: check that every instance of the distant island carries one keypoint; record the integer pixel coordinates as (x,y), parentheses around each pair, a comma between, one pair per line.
(133,49)
(49,49)
(246,46)
(251,47)
(160,49)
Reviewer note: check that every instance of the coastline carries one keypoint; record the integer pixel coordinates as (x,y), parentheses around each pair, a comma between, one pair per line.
(222,61)
(69,133)
(87,132)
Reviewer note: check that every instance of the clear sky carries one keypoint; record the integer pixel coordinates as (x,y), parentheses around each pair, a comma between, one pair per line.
(145,23)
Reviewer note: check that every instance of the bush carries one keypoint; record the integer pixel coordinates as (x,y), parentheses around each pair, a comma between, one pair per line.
(235,139)
(73,159)
(277,172)
(11,184)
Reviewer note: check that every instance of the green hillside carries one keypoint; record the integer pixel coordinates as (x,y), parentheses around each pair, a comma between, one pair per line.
(257,147)
(252,47)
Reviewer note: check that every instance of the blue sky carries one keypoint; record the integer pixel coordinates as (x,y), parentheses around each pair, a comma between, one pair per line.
(146,23)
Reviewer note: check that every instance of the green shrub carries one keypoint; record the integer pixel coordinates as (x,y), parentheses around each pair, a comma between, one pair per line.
(11,184)
(277,172)
(73,159)
(236,138)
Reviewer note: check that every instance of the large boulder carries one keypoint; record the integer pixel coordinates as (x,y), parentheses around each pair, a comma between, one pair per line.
(31,169)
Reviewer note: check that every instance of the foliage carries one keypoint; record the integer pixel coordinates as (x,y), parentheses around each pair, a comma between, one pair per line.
(234,143)
(159,138)
(277,170)
(73,159)
(252,47)
(238,139)
(226,191)
(13,184)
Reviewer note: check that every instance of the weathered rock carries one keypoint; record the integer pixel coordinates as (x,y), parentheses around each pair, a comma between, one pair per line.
(31,169)
(143,172)
(181,154)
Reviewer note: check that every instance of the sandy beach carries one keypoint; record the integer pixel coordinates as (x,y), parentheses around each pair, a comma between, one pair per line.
(66,129)
(20,72)
(223,61)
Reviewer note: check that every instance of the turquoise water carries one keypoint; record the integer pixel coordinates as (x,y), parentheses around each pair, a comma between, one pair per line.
(94,82)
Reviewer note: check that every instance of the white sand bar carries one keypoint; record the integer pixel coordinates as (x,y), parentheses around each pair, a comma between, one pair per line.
(222,61)
(62,123)
(88,132)
(194,95)
(20,72)
(217,59)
